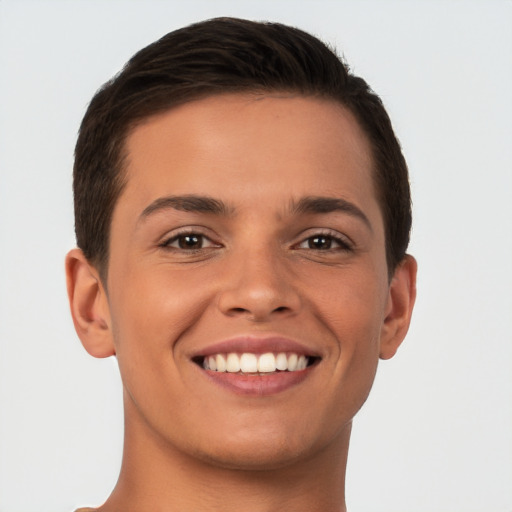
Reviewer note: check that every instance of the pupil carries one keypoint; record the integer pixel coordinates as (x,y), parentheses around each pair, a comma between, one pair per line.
(320,242)
(190,242)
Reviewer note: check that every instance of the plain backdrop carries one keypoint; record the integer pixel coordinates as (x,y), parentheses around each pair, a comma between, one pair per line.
(436,433)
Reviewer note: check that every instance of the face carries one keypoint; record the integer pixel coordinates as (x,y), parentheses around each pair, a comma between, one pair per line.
(248,235)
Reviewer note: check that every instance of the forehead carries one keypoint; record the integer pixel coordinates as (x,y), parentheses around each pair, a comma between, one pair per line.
(236,139)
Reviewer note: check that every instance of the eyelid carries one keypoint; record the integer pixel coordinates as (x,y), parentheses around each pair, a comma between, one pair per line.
(174,235)
(343,241)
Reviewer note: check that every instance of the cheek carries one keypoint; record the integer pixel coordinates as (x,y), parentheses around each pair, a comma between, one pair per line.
(150,313)
(351,303)
(157,301)
(355,317)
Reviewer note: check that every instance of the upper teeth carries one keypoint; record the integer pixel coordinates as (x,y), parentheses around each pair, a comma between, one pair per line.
(255,363)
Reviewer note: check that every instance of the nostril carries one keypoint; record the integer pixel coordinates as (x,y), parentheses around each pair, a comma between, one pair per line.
(258,312)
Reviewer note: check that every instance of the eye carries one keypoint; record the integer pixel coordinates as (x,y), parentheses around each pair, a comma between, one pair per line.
(189,242)
(325,242)
(320,242)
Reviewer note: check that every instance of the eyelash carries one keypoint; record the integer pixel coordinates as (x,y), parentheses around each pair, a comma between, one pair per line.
(341,243)
(177,237)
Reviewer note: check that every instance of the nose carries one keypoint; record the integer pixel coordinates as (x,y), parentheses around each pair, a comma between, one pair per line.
(259,287)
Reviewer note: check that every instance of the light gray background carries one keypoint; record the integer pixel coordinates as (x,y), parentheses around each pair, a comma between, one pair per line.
(436,434)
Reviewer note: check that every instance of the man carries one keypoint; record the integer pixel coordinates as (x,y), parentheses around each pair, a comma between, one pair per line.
(242,215)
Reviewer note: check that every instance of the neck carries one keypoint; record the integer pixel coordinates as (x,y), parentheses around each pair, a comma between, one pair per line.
(159,477)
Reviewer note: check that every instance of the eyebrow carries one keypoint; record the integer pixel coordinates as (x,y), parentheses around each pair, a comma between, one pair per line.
(319,204)
(204,204)
(186,203)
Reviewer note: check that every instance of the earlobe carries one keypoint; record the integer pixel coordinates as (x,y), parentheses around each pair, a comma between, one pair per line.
(89,305)
(402,294)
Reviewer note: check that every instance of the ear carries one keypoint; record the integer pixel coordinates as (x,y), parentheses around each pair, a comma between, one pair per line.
(89,305)
(401,297)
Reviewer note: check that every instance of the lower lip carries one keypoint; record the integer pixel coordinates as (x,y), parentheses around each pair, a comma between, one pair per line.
(258,385)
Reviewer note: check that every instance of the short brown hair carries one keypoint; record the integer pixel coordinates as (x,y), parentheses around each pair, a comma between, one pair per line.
(225,55)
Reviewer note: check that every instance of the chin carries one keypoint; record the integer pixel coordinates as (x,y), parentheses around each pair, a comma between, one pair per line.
(255,458)
(265,451)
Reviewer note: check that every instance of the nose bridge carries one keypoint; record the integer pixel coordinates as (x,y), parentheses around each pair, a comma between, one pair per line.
(258,285)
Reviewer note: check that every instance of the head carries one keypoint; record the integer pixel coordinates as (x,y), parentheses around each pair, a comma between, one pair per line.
(240,195)
(217,57)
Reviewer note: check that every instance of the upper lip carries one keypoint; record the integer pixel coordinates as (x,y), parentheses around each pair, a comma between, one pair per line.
(256,345)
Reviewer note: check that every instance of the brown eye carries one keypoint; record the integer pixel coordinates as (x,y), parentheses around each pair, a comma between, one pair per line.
(320,242)
(191,241)
(325,242)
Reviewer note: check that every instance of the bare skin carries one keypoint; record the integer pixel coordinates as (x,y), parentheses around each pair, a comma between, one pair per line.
(248,225)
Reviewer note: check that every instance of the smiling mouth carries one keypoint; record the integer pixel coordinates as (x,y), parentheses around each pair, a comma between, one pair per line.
(249,363)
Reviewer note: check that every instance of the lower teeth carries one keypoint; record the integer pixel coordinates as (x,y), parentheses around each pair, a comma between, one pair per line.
(260,374)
